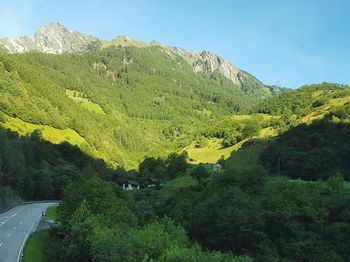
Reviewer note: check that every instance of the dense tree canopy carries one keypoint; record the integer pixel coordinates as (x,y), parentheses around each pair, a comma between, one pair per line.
(311,152)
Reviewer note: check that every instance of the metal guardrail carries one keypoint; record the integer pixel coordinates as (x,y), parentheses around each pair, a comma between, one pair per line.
(5,210)
(40,201)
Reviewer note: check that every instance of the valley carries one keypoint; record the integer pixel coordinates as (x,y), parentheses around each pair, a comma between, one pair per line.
(80,117)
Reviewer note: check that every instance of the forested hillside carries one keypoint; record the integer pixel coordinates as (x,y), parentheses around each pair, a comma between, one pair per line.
(147,101)
(304,134)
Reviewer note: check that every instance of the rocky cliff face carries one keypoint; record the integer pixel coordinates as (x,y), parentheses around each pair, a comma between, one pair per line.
(207,62)
(204,62)
(53,38)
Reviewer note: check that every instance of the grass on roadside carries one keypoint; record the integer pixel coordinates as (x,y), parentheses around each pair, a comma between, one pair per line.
(51,213)
(34,248)
(33,251)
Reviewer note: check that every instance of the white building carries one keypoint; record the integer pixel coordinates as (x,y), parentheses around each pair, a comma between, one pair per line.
(130,185)
(217,168)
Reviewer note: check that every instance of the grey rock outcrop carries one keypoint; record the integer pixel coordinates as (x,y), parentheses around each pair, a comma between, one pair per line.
(53,38)
(207,62)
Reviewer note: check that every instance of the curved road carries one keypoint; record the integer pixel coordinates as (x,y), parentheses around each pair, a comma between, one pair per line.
(15,226)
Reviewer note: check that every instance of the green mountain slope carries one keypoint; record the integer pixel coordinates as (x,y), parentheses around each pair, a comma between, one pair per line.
(310,128)
(129,102)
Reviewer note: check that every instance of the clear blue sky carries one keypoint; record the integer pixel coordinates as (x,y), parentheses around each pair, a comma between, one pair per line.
(295,42)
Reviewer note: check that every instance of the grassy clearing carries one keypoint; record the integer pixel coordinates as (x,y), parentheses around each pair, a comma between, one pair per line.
(247,117)
(320,112)
(268,132)
(210,153)
(48,133)
(82,99)
(214,150)
(179,182)
(93,107)
(247,156)
(54,135)
(51,213)
(33,251)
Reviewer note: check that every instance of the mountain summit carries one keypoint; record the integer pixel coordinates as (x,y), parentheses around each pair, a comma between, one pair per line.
(207,62)
(53,38)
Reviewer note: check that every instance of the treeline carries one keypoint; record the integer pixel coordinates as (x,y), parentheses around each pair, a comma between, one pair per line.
(301,101)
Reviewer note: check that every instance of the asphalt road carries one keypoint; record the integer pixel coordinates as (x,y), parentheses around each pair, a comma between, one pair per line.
(15,227)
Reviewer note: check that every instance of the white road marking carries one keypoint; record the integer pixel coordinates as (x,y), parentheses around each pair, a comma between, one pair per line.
(11,210)
(28,214)
(25,239)
(4,222)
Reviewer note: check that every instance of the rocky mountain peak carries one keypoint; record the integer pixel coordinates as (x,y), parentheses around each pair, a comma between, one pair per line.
(124,38)
(55,28)
(52,38)
(207,62)
(57,39)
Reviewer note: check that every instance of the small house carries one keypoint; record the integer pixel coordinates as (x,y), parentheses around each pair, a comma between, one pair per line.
(130,185)
(217,168)
(154,182)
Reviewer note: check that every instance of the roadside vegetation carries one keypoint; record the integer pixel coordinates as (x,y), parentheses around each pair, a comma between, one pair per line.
(51,213)
(34,249)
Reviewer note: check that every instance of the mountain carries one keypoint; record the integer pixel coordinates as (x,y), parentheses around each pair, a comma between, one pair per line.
(203,62)
(53,38)
(57,39)
(143,98)
(119,100)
